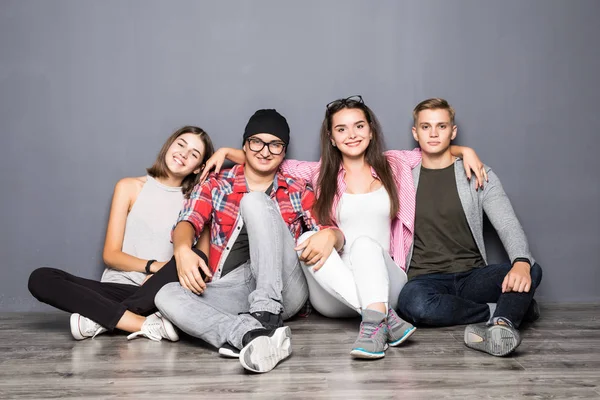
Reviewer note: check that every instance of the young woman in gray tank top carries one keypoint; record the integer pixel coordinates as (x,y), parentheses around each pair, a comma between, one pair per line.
(137,248)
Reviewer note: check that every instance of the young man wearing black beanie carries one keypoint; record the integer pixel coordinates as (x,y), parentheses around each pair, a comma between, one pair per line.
(253,280)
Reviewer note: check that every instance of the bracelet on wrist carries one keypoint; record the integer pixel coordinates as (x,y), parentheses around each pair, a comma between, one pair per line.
(148,264)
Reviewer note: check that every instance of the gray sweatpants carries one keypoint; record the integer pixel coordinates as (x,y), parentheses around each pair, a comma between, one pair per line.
(272,280)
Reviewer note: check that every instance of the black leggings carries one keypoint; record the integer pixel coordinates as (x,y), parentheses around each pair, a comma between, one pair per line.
(102,302)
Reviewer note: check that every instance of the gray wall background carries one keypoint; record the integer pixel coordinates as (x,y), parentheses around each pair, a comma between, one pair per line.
(89,91)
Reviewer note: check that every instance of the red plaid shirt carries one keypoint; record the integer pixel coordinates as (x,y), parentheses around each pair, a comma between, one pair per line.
(218,200)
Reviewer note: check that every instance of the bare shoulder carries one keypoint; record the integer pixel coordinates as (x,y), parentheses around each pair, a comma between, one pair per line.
(131,183)
(130,187)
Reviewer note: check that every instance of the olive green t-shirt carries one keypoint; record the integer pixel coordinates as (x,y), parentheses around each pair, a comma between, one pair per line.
(443,240)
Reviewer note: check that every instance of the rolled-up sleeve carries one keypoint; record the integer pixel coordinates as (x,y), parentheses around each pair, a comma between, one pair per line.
(198,208)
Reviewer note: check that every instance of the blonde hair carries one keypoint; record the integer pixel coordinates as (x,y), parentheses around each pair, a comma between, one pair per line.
(435,103)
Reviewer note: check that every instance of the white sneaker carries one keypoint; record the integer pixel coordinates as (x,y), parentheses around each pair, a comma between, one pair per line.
(156,327)
(83,328)
(265,348)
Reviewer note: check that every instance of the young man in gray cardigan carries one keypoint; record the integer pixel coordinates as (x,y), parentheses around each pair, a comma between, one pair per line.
(450,281)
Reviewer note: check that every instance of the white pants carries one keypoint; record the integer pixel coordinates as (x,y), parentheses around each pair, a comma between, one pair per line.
(364,274)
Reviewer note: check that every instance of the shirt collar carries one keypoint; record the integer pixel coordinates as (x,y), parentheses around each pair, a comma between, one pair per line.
(239,180)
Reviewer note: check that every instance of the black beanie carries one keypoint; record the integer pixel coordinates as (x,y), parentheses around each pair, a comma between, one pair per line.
(268,121)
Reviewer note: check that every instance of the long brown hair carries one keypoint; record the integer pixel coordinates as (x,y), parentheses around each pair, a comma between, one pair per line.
(331,159)
(160,170)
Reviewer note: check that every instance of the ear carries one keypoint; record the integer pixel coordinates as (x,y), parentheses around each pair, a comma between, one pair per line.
(197,171)
(454,132)
(414,132)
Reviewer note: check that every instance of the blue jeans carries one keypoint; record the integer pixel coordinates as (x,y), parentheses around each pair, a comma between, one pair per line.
(457,299)
(271,281)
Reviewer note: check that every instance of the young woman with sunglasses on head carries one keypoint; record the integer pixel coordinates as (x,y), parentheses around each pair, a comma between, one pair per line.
(137,246)
(369,194)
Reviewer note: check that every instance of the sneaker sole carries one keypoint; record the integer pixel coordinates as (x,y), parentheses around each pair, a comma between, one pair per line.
(497,340)
(407,333)
(169,328)
(366,355)
(74,321)
(264,352)
(228,353)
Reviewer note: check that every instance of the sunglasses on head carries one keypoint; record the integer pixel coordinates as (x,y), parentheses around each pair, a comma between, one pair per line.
(347,101)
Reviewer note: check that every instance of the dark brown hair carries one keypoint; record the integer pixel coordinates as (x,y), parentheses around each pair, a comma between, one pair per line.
(331,159)
(160,170)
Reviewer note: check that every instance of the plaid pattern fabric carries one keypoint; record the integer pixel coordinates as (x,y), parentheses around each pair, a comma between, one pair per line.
(218,201)
(401,163)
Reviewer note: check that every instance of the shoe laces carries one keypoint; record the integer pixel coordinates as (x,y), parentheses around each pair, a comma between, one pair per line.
(393,317)
(370,329)
(152,328)
(89,327)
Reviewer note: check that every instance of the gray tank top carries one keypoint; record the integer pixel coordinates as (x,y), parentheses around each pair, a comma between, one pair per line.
(148,229)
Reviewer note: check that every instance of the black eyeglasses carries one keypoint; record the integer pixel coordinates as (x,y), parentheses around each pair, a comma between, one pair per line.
(357,98)
(256,145)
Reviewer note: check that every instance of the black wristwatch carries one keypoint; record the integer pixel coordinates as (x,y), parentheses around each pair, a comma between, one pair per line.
(148,264)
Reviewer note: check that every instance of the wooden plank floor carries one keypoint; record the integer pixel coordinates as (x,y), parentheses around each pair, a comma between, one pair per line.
(559,358)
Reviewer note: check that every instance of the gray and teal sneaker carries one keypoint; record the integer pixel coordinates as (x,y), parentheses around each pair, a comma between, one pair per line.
(498,338)
(398,329)
(372,338)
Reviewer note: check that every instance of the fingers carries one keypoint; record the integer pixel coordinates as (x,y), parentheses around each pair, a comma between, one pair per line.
(183,282)
(202,265)
(505,284)
(508,283)
(302,245)
(522,285)
(525,285)
(307,255)
(318,265)
(218,166)
(485,175)
(204,174)
(468,172)
(478,178)
(315,259)
(192,281)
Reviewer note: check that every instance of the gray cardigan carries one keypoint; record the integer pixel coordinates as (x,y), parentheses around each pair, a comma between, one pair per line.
(497,207)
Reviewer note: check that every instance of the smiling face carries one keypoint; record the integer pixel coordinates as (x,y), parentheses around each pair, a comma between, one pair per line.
(185,155)
(350,132)
(263,161)
(434,131)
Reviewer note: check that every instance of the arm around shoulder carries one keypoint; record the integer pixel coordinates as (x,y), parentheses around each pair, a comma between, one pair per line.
(412,158)
(306,170)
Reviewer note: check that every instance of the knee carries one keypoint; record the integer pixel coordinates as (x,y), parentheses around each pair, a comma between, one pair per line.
(536,275)
(166,298)
(253,201)
(38,281)
(414,305)
(363,244)
(364,251)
